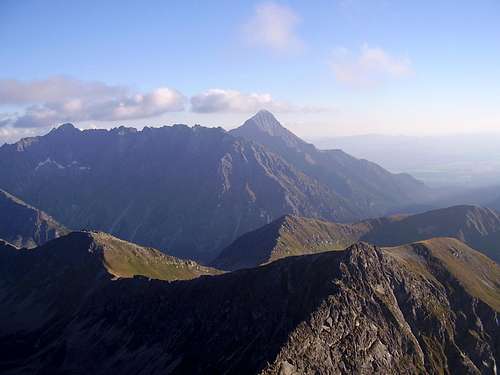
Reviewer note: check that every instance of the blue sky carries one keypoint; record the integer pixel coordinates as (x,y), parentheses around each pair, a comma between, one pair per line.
(325,67)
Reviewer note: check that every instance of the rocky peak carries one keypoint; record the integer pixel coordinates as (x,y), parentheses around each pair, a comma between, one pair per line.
(66,128)
(124,130)
(265,121)
(264,128)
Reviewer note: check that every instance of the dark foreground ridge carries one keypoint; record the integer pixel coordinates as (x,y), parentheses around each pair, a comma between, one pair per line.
(358,311)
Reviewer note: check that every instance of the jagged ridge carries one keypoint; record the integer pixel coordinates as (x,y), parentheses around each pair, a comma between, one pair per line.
(361,310)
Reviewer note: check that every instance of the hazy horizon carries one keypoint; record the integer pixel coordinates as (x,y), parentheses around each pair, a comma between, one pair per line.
(233,121)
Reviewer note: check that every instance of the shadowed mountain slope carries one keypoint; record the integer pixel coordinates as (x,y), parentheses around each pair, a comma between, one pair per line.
(361,310)
(478,227)
(193,191)
(368,187)
(25,226)
(189,191)
(100,256)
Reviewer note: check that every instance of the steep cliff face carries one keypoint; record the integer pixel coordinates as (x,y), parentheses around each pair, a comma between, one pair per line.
(362,310)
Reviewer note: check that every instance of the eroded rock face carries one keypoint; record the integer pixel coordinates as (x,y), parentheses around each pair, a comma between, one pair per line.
(385,319)
(358,311)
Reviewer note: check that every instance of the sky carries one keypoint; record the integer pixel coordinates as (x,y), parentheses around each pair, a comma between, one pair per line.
(325,68)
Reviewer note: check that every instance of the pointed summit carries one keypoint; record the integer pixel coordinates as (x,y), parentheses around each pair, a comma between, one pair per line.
(266,122)
(263,128)
(66,128)
(264,117)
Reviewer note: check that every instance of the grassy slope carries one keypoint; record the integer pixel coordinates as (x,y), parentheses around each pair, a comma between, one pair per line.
(478,274)
(125,259)
(476,226)
(288,236)
(292,235)
(299,236)
(95,254)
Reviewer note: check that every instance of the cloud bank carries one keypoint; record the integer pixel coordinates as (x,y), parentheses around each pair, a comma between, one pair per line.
(54,89)
(47,103)
(371,66)
(60,99)
(219,100)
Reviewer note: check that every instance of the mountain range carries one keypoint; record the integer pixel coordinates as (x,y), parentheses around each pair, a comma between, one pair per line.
(291,235)
(310,272)
(427,307)
(192,191)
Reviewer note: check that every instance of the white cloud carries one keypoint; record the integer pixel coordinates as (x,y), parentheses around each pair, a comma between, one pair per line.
(59,99)
(9,135)
(372,66)
(54,89)
(219,100)
(273,26)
